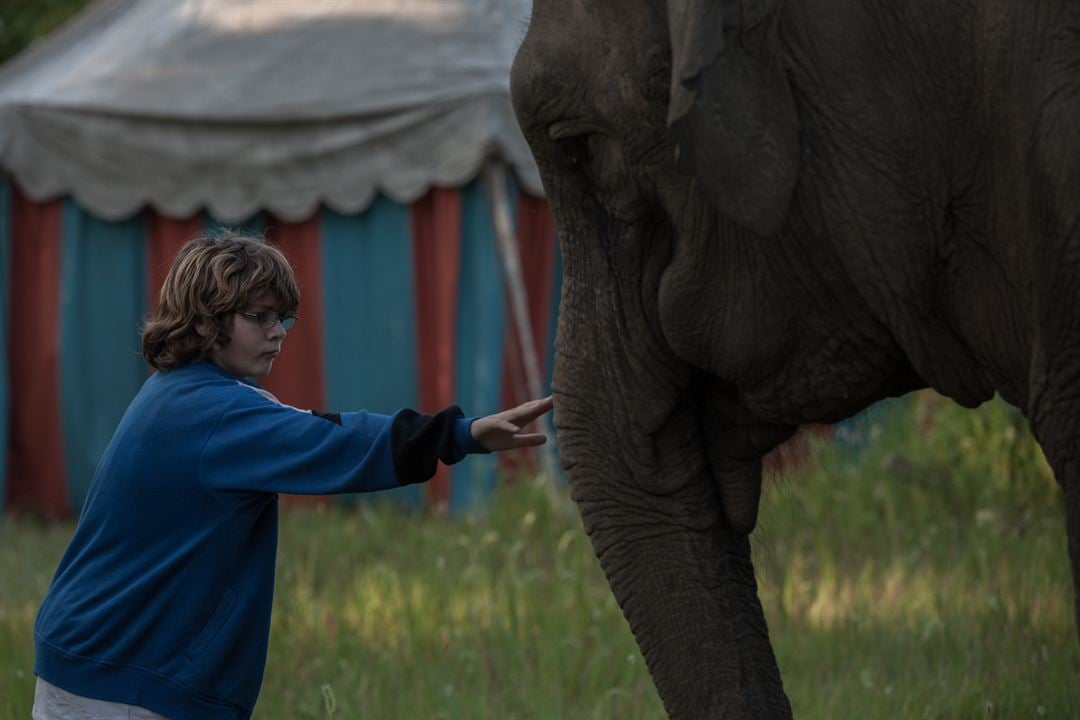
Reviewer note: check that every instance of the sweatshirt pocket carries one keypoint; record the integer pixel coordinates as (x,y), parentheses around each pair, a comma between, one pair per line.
(212,627)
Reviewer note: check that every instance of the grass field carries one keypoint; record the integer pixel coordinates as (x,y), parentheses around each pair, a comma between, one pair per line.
(917,568)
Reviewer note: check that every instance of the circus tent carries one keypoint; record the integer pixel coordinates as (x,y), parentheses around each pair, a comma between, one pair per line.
(367,139)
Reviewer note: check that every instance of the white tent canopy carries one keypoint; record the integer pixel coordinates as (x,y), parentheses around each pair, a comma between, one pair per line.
(280,105)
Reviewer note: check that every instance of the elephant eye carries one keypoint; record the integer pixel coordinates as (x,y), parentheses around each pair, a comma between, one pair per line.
(573,140)
(577,151)
(593,159)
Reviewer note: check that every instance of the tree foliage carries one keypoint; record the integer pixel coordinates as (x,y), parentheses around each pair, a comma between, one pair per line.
(24,21)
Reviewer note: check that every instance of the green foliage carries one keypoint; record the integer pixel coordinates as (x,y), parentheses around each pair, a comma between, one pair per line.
(915,569)
(23,21)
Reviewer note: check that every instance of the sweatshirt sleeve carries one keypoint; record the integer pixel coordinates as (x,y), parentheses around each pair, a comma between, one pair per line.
(259,445)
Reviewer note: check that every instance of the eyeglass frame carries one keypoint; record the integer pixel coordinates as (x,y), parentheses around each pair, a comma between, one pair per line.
(259,319)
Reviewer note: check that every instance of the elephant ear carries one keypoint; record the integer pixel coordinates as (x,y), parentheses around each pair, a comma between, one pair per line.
(731,110)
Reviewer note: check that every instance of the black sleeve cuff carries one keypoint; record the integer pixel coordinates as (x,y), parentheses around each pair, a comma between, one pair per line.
(418,442)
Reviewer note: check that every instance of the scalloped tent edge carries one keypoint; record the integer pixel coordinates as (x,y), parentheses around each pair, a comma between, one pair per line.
(120,110)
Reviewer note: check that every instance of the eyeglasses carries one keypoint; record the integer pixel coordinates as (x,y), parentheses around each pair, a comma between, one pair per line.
(267,320)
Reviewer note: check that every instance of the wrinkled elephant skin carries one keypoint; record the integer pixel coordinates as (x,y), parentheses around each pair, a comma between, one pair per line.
(775,213)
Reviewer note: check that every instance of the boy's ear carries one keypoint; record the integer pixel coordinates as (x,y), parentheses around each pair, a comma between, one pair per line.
(200,327)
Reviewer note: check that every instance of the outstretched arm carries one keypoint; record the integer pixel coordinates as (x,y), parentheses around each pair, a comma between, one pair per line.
(503,431)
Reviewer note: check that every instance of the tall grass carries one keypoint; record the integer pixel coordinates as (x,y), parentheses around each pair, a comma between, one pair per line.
(914,568)
(400,616)
(919,569)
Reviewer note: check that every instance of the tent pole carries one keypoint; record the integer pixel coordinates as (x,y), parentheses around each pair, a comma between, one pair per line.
(506,241)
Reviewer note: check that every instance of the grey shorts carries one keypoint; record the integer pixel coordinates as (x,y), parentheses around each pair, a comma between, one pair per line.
(53,703)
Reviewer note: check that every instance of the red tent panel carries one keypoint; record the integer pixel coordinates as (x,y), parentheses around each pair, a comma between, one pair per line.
(164,236)
(36,459)
(298,378)
(436,233)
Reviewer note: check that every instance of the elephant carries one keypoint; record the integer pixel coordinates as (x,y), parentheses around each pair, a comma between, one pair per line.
(774,213)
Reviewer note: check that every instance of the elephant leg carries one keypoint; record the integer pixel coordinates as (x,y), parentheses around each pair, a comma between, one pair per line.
(1072,525)
(1066,467)
(1065,461)
(1054,412)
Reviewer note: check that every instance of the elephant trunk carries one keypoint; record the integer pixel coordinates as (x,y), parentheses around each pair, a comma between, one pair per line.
(632,442)
(685,582)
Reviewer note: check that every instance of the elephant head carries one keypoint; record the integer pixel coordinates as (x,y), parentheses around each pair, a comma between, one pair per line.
(657,128)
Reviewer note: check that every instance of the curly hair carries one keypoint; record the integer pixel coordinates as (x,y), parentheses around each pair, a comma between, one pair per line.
(212,277)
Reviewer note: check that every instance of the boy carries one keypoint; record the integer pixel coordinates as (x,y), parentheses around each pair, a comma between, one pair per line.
(161,604)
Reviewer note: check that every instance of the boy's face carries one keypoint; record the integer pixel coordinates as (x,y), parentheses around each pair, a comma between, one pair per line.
(252,350)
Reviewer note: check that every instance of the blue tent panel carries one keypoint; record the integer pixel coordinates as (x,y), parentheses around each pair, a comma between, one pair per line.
(102,304)
(369,316)
(479,351)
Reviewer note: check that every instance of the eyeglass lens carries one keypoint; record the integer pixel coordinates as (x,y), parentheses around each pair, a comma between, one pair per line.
(267,320)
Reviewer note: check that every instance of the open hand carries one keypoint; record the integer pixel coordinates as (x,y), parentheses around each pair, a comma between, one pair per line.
(502,431)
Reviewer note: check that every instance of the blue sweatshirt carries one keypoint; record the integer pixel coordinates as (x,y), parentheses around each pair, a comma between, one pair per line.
(163,597)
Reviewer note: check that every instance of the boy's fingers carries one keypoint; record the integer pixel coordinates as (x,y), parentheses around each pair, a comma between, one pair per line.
(527,412)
